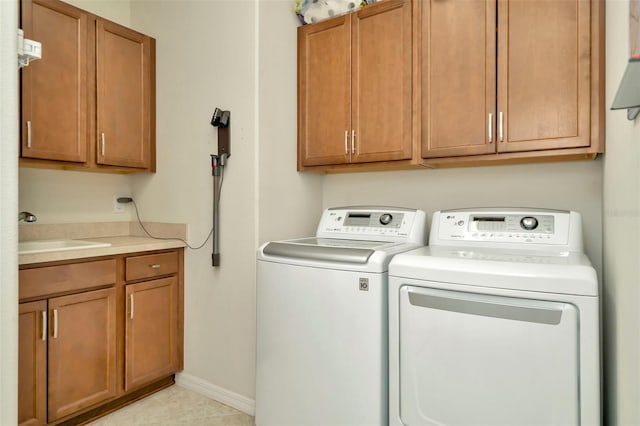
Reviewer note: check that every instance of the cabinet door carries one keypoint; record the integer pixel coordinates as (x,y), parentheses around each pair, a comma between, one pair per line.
(458,72)
(123,96)
(381,82)
(151,346)
(32,363)
(54,88)
(82,351)
(544,74)
(324,92)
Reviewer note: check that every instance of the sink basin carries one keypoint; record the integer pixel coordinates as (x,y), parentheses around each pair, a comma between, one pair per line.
(42,246)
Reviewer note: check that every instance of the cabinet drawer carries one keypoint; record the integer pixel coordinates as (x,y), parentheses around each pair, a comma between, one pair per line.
(152,265)
(38,282)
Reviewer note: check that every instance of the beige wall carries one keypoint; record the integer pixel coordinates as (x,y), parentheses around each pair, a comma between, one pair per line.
(57,196)
(206,59)
(569,185)
(289,203)
(9,129)
(238,56)
(621,237)
(115,10)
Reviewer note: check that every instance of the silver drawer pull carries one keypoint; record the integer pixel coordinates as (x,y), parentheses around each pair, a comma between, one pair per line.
(353,141)
(131,305)
(55,323)
(44,325)
(102,144)
(490,127)
(346,146)
(28,134)
(155,266)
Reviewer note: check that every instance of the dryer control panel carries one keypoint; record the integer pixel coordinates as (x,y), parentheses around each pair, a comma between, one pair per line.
(373,223)
(500,227)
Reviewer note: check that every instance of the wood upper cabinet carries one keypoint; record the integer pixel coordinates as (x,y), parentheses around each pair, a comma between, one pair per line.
(89,103)
(32,363)
(537,92)
(324,92)
(82,351)
(151,330)
(354,87)
(54,89)
(123,96)
(458,64)
(544,68)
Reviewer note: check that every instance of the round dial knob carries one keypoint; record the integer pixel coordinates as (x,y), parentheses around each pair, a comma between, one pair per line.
(386,219)
(529,223)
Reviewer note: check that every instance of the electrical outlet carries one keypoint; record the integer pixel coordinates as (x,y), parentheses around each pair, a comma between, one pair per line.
(118,207)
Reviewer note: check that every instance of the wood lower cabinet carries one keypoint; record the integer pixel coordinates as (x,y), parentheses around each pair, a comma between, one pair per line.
(354,87)
(67,355)
(153,342)
(151,349)
(97,334)
(32,363)
(89,103)
(82,339)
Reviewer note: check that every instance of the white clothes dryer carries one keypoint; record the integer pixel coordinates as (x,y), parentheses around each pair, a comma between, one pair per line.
(495,323)
(322,318)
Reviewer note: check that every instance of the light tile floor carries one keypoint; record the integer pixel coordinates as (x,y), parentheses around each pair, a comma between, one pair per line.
(176,406)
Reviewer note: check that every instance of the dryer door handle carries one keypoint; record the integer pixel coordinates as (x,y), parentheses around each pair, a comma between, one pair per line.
(537,311)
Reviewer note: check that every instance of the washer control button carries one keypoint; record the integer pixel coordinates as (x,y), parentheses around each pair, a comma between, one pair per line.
(386,218)
(529,223)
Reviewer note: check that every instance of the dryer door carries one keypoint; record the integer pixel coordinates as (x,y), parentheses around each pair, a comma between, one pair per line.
(468,358)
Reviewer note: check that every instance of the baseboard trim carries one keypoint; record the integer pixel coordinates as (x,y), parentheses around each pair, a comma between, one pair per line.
(225,396)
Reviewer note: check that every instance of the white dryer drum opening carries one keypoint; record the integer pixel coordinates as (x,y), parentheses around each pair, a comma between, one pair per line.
(452,341)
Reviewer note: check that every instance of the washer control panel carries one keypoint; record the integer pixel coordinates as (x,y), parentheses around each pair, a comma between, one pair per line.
(504,226)
(373,223)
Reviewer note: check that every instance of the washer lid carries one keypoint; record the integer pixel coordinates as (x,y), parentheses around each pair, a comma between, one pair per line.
(560,273)
(326,249)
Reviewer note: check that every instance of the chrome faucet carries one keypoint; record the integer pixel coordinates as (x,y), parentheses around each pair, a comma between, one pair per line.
(27,217)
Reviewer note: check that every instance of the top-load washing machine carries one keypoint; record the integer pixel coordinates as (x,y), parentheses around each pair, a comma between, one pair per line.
(495,323)
(322,318)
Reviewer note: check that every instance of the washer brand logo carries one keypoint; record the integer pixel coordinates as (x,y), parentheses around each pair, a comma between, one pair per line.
(364,284)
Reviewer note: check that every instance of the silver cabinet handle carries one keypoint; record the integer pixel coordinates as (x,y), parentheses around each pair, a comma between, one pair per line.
(55,323)
(346,146)
(28,134)
(155,266)
(353,139)
(44,325)
(131,306)
(102,143)
(490,127)
(501,126)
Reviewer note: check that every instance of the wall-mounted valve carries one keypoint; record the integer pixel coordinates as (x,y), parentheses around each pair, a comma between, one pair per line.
(221,120)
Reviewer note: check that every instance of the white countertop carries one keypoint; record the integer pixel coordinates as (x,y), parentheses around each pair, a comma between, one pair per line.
(119,245)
